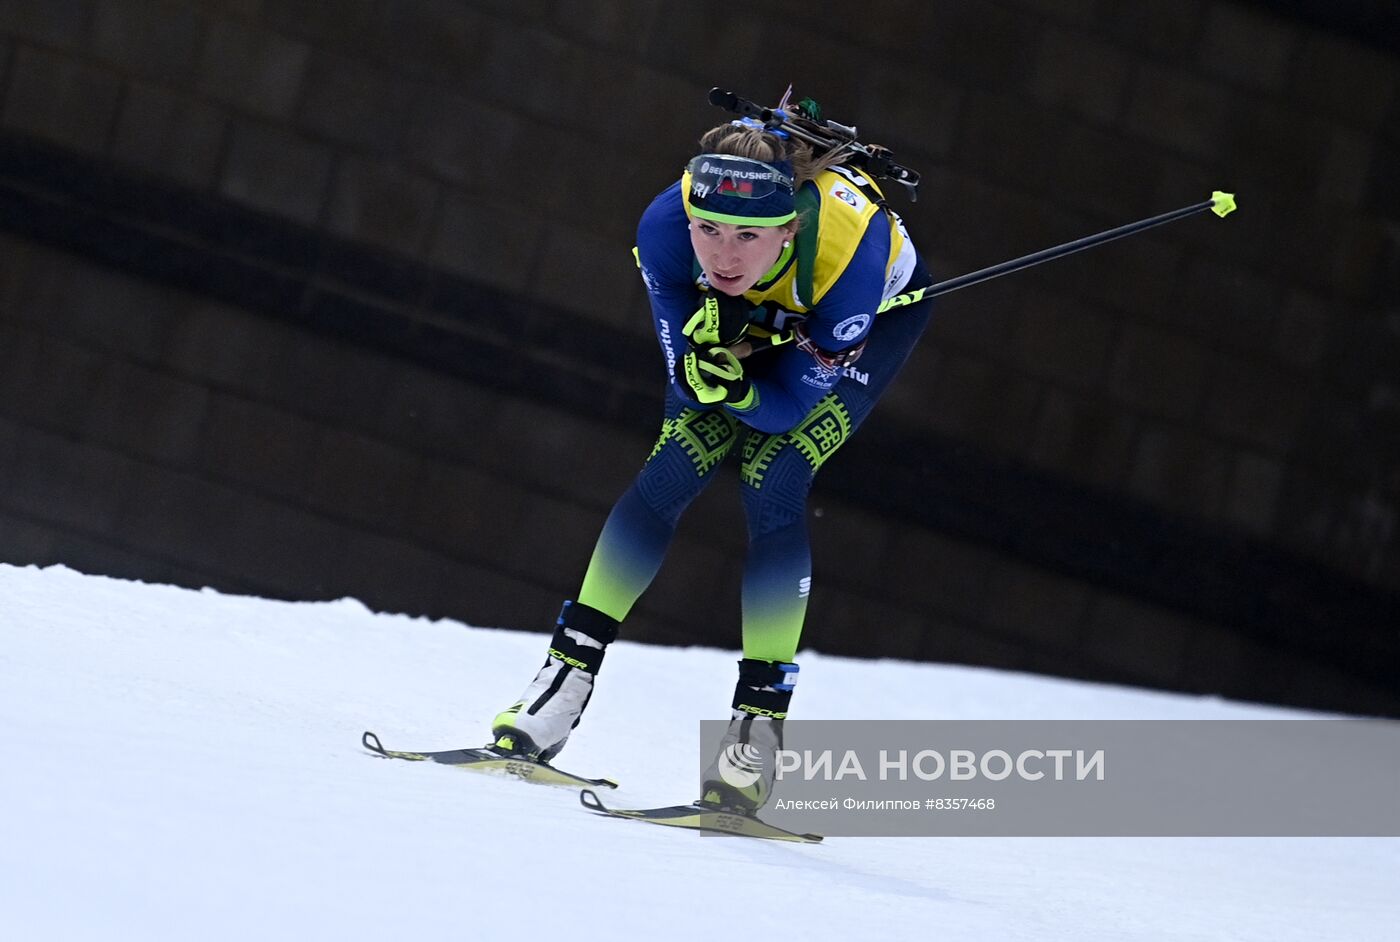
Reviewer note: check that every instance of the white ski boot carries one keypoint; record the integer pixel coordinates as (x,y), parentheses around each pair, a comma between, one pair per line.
(740,778)
(539,723)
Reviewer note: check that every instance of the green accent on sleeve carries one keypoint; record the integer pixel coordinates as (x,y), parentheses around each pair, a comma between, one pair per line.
(748,403)
(1224,203)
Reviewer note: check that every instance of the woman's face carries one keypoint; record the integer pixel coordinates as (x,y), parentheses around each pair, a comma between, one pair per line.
(735,257)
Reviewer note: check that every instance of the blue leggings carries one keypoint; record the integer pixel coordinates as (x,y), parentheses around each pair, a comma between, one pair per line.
(776,474)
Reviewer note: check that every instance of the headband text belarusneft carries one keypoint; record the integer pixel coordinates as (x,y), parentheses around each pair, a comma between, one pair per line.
(740,190)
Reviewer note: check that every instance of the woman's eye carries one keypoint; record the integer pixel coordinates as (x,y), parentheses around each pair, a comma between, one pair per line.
(747,236)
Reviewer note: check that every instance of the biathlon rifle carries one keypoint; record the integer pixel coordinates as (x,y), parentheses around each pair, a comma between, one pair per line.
(804,121)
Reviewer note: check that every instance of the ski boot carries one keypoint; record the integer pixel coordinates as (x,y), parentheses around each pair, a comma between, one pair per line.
(740,778)
(539,723)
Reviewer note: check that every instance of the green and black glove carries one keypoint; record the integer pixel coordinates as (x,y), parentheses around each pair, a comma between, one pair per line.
(714,376)
(709,372)
(722,319)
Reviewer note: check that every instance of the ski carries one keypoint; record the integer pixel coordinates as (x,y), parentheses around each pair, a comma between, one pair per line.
(486,759)
(699,817)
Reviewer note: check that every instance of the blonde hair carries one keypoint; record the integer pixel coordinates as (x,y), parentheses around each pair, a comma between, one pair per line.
(758,144)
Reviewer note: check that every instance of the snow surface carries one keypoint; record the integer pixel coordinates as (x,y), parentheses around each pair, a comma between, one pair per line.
(186,765)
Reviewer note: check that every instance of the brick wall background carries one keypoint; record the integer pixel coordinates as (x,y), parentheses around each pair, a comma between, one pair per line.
(336,298)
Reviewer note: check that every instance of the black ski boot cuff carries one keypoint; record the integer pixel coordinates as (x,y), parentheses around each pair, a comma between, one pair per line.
(589,622)
(779,675)
(764,688)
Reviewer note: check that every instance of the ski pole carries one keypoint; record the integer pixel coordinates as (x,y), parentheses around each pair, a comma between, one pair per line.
(1222,204)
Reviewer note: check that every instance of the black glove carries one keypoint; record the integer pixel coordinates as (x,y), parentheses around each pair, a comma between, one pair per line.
(722,319)
(713,376)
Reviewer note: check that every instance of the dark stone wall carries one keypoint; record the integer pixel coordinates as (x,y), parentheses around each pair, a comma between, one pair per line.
(335,298)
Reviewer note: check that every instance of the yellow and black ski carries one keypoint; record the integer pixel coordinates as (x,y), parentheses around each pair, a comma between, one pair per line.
(486,759)
(700,817)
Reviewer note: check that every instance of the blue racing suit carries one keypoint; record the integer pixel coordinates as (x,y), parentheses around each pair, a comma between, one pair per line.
(849,256)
